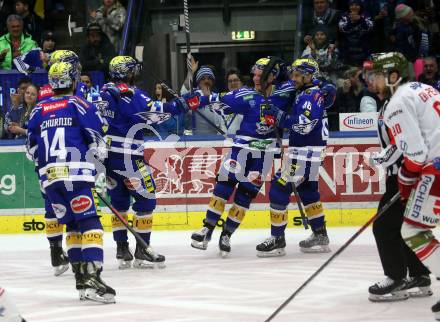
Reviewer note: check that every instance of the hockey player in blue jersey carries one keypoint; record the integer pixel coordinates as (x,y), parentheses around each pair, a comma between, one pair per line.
(243,171)
(308,133)
(65,132)
(54,231)
(128,110)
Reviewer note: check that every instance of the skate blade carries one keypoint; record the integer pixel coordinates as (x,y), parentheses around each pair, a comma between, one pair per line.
(124,264)
(81,294)
(58,270)
(391,297)
(273,253)
(199,245)
(143,264)
(91,295)
(424,291)
(224,254)
(316,249)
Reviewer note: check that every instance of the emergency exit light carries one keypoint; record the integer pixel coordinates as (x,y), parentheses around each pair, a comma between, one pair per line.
(243,35)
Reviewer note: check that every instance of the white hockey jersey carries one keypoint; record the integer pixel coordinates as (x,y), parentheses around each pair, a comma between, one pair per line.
(413,117)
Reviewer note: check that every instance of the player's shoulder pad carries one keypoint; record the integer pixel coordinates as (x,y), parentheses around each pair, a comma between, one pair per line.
(244,92)
(288,85)
(36,110)
(78,100)
(140,94)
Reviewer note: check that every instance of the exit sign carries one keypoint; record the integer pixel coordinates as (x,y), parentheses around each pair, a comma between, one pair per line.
(243,35)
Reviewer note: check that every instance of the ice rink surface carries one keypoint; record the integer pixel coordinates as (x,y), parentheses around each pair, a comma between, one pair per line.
(200,286)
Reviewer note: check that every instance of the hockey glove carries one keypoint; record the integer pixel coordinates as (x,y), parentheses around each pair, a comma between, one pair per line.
(189,101)
(273,115)
(407,181)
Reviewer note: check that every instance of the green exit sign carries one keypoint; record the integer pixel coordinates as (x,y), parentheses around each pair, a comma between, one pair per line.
(243,35)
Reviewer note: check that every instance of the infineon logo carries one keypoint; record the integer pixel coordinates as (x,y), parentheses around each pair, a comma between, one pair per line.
(358,121)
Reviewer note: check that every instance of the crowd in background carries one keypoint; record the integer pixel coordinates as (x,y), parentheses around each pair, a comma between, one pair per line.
(27,40)
(339,34)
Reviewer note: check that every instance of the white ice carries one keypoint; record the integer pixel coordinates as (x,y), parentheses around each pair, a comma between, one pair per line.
(200,286)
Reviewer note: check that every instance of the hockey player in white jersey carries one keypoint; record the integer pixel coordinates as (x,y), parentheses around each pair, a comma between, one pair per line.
(405,275)
(413,117)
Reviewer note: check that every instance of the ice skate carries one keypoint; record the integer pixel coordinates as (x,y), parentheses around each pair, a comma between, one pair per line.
(388,290)
(272,247)
(418,286)
(316,243)
(201,238)
(59,259)
(224,243)
(123,255)
(436,310)
(147,258)
(94,287)
(77,269)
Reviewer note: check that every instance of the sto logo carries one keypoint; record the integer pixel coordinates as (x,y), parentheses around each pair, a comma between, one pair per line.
(81,204)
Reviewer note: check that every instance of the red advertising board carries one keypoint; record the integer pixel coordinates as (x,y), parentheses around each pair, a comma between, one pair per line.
(185,174)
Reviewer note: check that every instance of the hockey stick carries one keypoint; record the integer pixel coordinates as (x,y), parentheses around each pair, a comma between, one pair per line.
(188,55)
(124,221)
(395,198)
(264,76)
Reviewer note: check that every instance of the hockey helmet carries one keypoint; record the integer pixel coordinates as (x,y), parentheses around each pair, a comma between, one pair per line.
(306,66)
(388,63)
(262,63)
(62,75)
(66,56)
(121,67)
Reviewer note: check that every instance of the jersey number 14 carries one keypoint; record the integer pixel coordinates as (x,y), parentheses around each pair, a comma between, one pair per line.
(57,146)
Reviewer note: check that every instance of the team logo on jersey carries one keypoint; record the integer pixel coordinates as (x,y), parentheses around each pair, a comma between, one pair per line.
(263,129)
(132,183)
(59,210)
(232,166)
(111,183)
(81,204)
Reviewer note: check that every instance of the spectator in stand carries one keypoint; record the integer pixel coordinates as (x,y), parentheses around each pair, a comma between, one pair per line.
(15,43)
(230,123)
(323,15)
(48,42)
(374,98)
(320,49)
(47,47)
(349,92)
(86,79)
(17,98)
(111,17)
(16,119)
(205,81)
(355,28)
(6,8)
(175,124)
(409,35)
(33,24)
(98,51)
(430,73)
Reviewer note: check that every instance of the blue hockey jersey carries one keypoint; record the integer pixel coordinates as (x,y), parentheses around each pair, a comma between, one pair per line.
(254,132)
(128,110)
(61,131)
(307,122)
